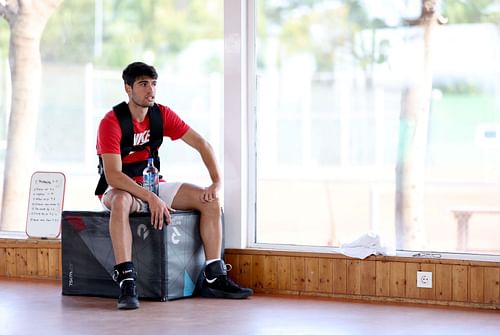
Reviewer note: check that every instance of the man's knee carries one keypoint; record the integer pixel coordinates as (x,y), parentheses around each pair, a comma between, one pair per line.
(212,208)
(121,201)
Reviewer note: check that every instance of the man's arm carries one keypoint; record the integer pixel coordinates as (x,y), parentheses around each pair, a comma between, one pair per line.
(207,154)
(112,164)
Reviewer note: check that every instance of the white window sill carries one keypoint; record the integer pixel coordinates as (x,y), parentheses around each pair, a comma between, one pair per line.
(14,235)
(410,254)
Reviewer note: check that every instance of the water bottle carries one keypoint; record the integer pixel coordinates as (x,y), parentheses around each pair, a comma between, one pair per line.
(150,177)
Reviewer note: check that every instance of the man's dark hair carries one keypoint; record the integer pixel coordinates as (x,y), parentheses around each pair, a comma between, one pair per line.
(136,70)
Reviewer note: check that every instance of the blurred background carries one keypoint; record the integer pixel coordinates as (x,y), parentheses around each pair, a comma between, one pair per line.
(332,79)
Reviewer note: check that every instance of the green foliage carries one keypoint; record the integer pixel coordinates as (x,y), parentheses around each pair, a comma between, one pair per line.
(161,27)
(130,30)
(322,27)
(458,88)
(471,11)
(69,34)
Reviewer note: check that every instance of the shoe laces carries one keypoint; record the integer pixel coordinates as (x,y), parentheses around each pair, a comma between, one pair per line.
(228,267)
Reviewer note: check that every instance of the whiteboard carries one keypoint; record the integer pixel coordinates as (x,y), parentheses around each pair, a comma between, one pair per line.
(45,204)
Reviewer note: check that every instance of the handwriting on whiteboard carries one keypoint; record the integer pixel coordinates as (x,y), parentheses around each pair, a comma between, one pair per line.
(45,204)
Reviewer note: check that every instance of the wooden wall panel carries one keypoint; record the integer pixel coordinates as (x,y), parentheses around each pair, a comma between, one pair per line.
(455,282)
(491,287)
(340,276)
(270,272)
(443,282)
(3,262)
(258,272)
(476,284)
(460,279)
(10,262)
(21,262)
(245,276)
(383,282)
(43,262)
(353,277)
(312,274)
(397,283)
(325,275)
(32,260)
(284,274)
(368,278)
(298,274)
(412,291)
(54,263)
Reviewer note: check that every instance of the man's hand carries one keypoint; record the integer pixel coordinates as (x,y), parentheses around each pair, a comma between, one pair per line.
(210,193)
(207,154)
(160,212)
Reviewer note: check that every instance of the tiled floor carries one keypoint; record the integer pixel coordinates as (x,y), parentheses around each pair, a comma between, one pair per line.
(37,307)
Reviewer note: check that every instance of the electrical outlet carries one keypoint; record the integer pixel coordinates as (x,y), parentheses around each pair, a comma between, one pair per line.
(424,279)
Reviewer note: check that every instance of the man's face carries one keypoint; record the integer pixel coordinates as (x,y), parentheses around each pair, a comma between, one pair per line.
(142,92)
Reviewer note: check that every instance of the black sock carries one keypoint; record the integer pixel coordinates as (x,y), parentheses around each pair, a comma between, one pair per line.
(124,271)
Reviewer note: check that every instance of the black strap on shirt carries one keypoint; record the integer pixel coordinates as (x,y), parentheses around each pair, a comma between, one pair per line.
(127,143)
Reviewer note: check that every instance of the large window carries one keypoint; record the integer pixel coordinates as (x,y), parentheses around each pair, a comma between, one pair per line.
(85,46)
(378,116)
(372,116)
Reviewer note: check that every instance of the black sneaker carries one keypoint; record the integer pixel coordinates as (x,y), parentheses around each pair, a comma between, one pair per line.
(217,284)
(128,299)
(124,274)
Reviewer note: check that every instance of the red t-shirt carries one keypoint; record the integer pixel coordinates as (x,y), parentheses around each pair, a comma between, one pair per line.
(109,134)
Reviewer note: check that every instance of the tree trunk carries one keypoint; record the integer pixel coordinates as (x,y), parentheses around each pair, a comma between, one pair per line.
(27,20)
(412,148)
(410,170)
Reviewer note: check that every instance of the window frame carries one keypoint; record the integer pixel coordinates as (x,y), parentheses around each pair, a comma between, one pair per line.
(240,87)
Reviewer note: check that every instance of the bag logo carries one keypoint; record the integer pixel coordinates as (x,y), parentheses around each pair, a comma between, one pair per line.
(70,275)
(142,231)
(175,236)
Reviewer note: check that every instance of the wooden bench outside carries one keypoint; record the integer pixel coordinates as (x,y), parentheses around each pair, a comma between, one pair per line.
(462,216)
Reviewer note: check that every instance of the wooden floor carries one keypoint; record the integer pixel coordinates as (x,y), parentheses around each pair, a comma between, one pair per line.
(37,307)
